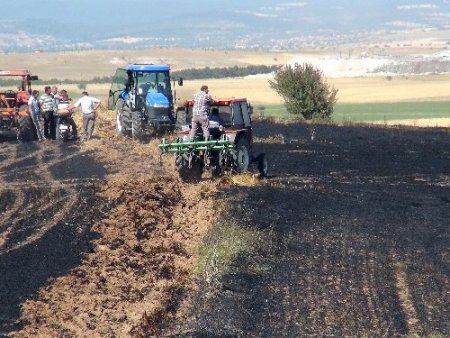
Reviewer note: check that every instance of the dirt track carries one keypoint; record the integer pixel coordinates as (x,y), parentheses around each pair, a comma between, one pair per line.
(358,222)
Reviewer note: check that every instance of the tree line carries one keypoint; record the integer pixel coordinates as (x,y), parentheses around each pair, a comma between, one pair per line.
(224,72)
(187,74)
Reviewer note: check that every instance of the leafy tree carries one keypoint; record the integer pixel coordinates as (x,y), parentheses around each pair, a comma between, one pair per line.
(304,91)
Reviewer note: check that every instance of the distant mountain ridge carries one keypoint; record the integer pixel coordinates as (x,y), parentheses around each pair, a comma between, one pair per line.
(257,24)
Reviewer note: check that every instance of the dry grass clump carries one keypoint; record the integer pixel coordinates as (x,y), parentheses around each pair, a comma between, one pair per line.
(244,179)
(271,139)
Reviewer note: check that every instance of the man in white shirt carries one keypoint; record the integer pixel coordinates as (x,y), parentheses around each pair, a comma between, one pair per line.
(88,106)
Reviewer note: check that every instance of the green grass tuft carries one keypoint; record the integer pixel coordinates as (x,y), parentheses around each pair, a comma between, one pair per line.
(223,244)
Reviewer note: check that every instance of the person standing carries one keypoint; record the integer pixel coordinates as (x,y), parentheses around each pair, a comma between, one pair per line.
(88,106)
(64,112)
(35,112)
(202,102)
(54,91)
(47,107)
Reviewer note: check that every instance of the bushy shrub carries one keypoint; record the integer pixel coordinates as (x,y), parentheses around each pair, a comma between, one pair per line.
(304,91)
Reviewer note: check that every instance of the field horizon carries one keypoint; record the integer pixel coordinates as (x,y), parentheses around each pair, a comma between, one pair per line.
(361,89)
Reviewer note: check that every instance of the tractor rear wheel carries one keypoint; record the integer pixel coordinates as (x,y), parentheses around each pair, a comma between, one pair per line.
(137,128)
(242,156)
(123,118)
(26,131)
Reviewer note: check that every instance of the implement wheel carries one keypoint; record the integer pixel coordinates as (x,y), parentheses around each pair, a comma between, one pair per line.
(263,166)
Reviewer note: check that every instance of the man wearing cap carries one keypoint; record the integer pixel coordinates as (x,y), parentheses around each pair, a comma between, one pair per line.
(88,106)
(202,102)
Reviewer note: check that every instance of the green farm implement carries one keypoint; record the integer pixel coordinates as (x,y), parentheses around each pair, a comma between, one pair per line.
(229,150)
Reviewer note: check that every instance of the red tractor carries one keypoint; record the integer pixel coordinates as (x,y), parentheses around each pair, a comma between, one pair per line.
(228,150)
(14,114)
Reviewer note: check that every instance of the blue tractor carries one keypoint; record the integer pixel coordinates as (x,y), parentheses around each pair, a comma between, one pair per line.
(142,97)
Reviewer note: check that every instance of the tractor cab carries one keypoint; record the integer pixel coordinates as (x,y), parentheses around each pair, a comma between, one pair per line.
(141,95)
(13,99)
(14,116)
(150,84)
(235,114)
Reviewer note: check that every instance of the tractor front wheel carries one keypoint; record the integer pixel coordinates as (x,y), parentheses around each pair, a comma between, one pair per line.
(242,156)
(123,118)
(137,128)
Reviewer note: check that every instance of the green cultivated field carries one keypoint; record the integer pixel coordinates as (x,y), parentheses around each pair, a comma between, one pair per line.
(367,112)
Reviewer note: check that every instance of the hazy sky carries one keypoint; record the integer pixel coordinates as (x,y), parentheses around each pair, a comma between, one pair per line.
(112,18)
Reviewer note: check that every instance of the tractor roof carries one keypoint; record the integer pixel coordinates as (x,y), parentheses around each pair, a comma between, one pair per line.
(220,102)
(15,72)
(149,67)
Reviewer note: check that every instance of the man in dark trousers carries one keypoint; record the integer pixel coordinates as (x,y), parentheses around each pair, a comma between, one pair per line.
(47,107)
(88,106)
(202,102)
